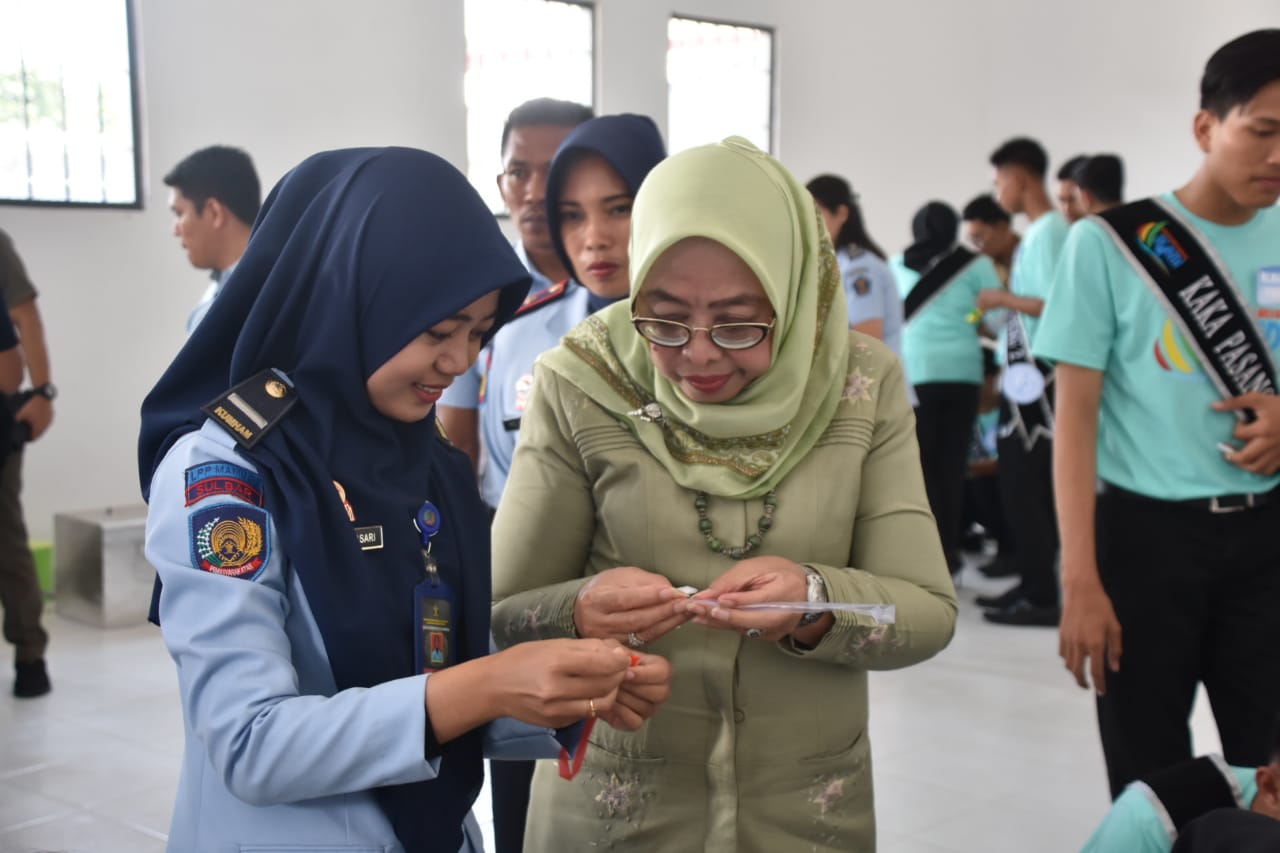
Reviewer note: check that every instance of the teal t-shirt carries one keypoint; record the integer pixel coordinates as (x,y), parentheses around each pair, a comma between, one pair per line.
(941,344)
(1036,260)
(1133,825)
(1157,434)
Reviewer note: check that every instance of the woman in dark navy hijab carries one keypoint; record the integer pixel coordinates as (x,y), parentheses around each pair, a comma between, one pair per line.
(323,550)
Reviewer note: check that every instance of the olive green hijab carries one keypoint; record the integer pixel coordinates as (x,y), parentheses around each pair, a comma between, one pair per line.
(742,198)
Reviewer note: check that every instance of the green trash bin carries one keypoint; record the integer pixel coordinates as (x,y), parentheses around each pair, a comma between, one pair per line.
(42,550)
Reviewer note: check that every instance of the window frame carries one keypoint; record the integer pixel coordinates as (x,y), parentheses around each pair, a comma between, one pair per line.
(773,66)
(131,38)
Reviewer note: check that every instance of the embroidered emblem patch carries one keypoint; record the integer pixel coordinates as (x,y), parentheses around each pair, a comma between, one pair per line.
(862,285)
(222,478)
(230,539)
(524,386)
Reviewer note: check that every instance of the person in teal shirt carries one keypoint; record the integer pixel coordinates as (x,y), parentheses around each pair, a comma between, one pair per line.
(1152,812)
(943,357)
(1170,572)
(1026,420)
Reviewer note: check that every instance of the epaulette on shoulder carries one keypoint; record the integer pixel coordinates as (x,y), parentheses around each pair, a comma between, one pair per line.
(251,409)
(546,296)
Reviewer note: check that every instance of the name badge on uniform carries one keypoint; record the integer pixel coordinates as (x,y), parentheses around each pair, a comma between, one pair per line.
(1269,287)
(370,537)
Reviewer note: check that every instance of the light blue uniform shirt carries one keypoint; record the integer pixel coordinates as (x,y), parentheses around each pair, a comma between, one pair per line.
(275,756)
(206,301)
(1137,824)
(501,379)
(871,294)
(940,343)
(1157,434)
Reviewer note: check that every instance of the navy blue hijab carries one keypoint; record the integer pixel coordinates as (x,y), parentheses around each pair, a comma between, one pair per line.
(630,143)
(355,254)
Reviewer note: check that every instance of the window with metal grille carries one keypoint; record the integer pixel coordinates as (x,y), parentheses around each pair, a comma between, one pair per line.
(719,83)
(518,50)
(68,104)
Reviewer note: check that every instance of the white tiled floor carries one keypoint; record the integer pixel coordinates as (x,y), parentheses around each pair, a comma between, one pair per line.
(989,747)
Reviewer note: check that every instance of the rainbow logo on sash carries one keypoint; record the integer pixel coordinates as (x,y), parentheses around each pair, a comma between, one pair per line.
(1154,239)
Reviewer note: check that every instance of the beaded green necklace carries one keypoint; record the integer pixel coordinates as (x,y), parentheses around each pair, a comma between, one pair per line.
(753,541)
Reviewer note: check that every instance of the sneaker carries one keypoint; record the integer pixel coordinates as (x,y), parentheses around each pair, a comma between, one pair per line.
(31,680)
(1023,612)
(999,602)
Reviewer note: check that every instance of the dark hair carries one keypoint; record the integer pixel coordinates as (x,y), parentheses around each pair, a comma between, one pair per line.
(1023,152)
(1103,177)
(1067,172)
(220,172)
(544,111)
(831,191)
(986,209)
(1239,69)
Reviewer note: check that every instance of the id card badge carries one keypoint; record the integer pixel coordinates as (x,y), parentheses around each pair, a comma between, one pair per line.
(433,606)
(433,602)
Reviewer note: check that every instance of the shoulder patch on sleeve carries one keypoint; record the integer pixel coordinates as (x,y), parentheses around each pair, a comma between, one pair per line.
(249,410)
(222,478)
(230,539)
(543,297)
(862,285)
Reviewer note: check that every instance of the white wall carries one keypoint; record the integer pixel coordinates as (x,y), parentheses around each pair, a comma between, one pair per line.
(906,98)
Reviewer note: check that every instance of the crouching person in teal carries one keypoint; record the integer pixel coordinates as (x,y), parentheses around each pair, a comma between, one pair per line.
(323,550)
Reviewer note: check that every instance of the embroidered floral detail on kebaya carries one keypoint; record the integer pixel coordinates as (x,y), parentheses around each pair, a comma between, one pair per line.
(859,386)
(828,794)
(617,796)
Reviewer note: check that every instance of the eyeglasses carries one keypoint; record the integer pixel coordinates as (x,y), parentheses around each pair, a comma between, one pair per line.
(669,333)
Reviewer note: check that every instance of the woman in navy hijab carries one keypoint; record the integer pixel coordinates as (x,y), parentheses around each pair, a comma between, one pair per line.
(323,550)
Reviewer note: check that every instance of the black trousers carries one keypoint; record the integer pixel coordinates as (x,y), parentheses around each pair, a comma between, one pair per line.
(982,505)
(20,594)
(1197,596)
(944,424)
(1026,491)
(510,782)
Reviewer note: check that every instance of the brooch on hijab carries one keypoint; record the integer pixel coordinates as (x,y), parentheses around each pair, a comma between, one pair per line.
(650,413)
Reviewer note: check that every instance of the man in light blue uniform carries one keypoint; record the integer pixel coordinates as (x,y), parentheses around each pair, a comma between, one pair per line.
(500,382)
(1026,422)
(1170,571)
(214,197)
(532,134)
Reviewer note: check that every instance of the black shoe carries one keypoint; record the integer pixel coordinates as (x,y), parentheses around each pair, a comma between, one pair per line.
(999,602)
(1000,567)
(31,680)
(1023,612)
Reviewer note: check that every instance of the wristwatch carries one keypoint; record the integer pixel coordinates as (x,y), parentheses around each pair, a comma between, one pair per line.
(816,592)
(47,390)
